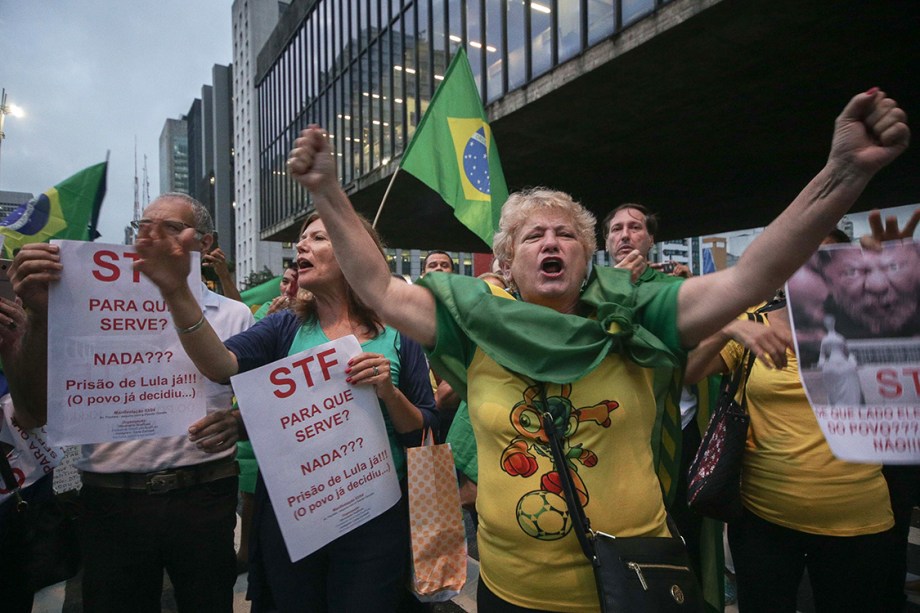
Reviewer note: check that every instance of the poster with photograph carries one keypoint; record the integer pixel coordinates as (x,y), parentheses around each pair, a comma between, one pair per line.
(856,322)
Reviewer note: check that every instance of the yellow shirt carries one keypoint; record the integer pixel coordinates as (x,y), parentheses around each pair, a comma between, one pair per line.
(789,476)
(529,555)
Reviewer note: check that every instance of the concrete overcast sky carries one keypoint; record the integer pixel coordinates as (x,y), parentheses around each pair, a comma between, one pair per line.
(91,75)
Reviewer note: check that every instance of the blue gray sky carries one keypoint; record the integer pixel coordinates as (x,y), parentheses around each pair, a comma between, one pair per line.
(91,75)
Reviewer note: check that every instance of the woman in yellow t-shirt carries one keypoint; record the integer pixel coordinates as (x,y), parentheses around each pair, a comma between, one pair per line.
(803,508)
(545,245)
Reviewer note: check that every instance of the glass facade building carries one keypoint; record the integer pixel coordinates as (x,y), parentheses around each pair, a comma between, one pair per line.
(366,70)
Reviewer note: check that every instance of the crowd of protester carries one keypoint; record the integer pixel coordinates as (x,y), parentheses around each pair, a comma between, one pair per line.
(477,360)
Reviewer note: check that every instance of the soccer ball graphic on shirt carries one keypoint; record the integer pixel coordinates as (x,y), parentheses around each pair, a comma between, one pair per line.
(543,515)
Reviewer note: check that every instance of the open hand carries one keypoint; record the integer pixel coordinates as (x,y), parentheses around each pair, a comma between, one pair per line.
(768,343)
(164,258)
(217,260)
(889,231)
(34,267)
(371,369)
(217,431)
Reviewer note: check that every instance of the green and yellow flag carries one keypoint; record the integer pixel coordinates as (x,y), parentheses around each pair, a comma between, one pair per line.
(68,210)
(453,152)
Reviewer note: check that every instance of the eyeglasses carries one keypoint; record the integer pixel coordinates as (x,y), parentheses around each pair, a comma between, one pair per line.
(170,226)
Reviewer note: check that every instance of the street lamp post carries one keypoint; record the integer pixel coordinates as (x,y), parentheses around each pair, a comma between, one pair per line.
(6,109)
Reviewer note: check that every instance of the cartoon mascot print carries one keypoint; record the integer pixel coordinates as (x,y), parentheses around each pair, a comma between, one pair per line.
(543,513)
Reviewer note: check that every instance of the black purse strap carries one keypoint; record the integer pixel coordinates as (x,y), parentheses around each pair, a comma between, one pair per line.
(580,521)
(9,479)
(742,372)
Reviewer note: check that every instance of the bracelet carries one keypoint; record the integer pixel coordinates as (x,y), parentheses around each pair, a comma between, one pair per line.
(192,327)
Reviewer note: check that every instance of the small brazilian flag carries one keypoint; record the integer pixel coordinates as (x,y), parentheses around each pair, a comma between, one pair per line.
(69,210)
(453,152)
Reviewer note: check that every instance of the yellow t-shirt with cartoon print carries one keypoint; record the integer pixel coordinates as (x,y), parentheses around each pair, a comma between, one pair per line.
(529,555)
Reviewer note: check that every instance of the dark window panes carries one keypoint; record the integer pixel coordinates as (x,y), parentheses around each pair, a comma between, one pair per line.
(635,9)
(424,48)
(541,36)
(339,123)
(410,68)
(493,49)
(343,136)
(373,121)
(373,18)
(355,26)
(475,41)
(386,98)
(569,28)
(439,35)
(339,38)
(517,66)
(354,125)
(311,60)
(600,20)
(399,94)
(455,27)
(365,124)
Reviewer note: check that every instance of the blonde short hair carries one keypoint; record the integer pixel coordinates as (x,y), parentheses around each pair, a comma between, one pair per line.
(522,205)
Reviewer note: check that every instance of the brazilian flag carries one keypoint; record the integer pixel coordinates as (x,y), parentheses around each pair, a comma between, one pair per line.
(69,210)
(453,152)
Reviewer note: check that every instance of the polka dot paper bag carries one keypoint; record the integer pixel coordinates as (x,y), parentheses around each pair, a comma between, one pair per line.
(436,523)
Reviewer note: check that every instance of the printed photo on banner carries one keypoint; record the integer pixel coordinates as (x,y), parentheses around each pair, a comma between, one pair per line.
(117,371)
(321,443)
(856,321)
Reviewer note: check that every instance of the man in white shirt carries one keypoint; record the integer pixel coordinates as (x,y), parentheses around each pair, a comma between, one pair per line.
(150,505)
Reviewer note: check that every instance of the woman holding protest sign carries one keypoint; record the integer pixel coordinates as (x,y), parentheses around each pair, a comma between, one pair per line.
(364,569)
(803,507)
(587,353)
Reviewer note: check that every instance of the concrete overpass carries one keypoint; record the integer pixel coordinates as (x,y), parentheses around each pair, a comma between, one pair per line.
(714,113)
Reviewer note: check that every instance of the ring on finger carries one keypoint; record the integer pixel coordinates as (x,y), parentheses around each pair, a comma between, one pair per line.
(376,370)
(11,325)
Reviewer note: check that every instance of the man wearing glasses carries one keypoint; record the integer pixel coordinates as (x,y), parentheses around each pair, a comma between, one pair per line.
(150,505)
(215,270)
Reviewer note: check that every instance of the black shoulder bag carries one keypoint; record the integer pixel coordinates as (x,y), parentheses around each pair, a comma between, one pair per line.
(633,574)
(714,477)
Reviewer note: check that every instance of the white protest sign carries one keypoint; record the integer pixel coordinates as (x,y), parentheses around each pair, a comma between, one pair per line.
(321,443)
(32,456)
(116,369)
(856,324)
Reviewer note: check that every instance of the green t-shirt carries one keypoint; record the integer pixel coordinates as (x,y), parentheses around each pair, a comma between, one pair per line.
(386,343)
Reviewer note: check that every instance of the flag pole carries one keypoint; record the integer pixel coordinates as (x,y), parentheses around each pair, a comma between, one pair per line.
(382,202)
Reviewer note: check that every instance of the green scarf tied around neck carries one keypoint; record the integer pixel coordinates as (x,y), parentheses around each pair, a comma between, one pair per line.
(546,345)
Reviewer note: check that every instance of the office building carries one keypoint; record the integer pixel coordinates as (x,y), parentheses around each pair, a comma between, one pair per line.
(174,157)
(253,21)
(712,112)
